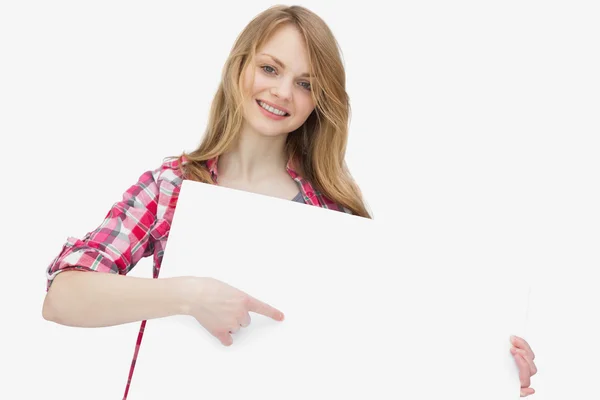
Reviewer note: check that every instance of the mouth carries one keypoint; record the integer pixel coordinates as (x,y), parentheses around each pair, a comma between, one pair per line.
(271,110)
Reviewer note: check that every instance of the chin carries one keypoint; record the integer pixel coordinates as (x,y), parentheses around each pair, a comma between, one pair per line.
(267,128)
(265,131)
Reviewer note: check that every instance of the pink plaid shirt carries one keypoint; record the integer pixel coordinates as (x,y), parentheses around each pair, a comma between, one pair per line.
(138,226)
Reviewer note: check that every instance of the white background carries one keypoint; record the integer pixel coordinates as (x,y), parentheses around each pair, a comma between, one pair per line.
(466,116)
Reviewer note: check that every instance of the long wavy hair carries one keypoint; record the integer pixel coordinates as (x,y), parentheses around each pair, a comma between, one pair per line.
(317,147)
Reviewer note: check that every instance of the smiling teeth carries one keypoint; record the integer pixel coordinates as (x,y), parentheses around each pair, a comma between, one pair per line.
(271,109)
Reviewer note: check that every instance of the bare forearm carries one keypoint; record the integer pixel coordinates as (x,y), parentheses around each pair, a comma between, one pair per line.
(95,299)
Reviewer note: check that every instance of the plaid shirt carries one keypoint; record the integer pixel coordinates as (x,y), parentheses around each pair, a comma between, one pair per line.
(138,226)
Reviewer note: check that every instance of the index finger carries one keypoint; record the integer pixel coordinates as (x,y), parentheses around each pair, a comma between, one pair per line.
(259,307)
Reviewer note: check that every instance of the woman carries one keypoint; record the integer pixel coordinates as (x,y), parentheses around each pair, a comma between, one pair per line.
(278,126)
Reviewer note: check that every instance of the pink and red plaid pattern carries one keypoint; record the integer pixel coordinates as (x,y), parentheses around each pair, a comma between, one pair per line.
(138,226)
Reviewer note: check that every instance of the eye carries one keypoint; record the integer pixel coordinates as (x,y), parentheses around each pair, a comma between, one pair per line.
(266,68)
(305,85)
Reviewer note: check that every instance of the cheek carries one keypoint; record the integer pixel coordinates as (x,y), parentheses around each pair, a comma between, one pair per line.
(305,105)
(261,83)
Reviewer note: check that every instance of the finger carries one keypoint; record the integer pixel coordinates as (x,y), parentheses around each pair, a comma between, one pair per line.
(527,357)
(259,307)
(527,392)
(245,320)
(522,344)
(524,374)
(225,339)
(234,329)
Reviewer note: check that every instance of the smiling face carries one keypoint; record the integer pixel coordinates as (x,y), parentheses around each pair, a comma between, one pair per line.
(278,99)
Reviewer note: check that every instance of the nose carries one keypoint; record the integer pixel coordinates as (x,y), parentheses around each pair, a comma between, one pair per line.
(282,90)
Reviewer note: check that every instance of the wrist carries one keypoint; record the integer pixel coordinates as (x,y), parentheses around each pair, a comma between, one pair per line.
(184,290)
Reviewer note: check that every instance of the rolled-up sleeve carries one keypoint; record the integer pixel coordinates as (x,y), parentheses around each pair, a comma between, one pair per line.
(122,239)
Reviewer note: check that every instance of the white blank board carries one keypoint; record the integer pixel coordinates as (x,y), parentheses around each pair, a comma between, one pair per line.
(368,314)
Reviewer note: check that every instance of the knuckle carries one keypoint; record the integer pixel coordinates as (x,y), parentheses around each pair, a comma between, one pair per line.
(219,333)
(223,331)
(241,315)
(245,301)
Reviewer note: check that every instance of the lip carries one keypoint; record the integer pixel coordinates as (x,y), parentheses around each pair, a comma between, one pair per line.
(269,114)
(275,106)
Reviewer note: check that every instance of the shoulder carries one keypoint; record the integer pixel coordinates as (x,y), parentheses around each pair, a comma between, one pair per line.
(312,195)
(325,202)
(169,171)
(162,185)
(168,176)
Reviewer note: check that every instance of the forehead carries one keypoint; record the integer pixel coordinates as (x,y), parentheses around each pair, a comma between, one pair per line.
(287,44)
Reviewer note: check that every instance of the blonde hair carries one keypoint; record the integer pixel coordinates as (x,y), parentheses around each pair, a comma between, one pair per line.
(319,145)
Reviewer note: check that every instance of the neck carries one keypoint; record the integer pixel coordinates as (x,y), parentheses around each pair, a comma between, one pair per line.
(254,157)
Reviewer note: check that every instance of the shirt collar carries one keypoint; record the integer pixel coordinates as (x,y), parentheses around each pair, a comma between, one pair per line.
(212,165)
(212,168)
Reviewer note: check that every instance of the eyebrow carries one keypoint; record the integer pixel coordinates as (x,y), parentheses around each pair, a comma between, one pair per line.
(282,65)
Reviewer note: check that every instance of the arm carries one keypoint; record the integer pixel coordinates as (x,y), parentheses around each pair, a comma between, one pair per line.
(97,300)
(88,299)
(87,285)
